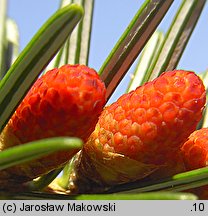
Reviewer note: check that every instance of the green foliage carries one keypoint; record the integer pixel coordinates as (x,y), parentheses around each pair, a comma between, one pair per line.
(162,52)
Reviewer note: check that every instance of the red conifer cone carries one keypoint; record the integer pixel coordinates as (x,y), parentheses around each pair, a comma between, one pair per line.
(195,155)
(195,150)
(143,130)
(63,102)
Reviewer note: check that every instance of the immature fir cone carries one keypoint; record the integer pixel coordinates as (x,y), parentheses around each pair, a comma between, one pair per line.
(141,132)
(195,155)
(195,150)
(63,102)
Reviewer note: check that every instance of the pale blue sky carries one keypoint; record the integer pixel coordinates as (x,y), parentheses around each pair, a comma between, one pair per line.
(111,17)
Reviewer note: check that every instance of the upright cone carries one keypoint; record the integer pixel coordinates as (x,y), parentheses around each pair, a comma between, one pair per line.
(63,102)
(141,132)
(195,155)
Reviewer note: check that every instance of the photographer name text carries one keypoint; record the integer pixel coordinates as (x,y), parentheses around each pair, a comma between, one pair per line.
(47,207)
